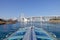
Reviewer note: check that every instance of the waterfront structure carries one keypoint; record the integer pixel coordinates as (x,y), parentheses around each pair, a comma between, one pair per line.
(38,19)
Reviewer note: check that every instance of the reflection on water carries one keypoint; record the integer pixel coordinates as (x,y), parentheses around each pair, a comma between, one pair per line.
(10,28)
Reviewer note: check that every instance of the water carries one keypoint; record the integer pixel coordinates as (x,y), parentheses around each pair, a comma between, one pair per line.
(8,29)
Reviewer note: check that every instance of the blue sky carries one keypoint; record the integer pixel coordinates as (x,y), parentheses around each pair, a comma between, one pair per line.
(13,8)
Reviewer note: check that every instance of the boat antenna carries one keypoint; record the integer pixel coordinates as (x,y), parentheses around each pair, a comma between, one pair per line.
(41,21)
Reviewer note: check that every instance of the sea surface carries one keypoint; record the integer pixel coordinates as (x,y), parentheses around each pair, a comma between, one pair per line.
(8,29)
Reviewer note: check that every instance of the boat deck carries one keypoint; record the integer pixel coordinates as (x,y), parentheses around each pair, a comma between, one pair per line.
(30,33)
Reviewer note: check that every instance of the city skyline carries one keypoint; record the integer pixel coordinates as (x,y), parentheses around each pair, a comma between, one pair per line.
(14,8)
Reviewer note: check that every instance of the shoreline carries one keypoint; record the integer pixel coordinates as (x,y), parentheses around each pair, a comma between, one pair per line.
(54,21)
(2,23)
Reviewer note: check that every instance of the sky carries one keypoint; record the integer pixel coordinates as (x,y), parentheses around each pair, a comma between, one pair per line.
(14,8)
